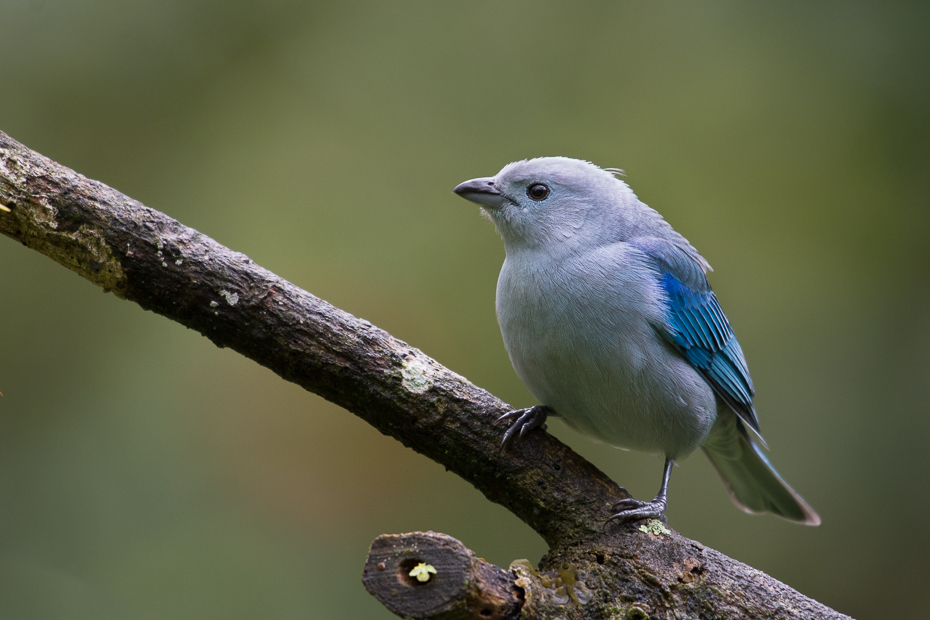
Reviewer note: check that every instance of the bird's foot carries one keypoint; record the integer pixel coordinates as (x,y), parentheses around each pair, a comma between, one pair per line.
(629,510)
(524,420)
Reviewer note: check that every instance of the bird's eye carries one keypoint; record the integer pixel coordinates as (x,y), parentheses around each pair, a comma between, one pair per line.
(537,191)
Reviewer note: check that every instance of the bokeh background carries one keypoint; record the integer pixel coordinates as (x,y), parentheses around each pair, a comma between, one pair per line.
(146,474)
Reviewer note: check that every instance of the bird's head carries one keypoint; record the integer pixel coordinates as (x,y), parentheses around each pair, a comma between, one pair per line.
(552,203)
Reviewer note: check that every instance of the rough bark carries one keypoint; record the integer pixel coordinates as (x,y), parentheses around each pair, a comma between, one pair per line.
(145,256)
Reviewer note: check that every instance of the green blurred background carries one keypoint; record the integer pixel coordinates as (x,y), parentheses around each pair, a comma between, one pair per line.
(146,474)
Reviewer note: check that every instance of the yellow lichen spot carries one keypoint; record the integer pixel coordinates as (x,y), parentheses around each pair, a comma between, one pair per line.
(565,587)
(654,526)
(422,572)
(524,564)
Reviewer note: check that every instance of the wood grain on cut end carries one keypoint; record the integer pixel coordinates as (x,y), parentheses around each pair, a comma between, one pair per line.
(463,585)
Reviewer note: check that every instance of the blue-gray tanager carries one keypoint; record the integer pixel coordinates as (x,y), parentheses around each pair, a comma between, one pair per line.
(608,319)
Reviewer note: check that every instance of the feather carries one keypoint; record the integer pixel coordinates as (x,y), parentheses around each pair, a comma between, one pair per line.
(698,328)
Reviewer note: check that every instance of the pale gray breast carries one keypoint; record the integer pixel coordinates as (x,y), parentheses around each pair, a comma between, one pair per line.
(579,334)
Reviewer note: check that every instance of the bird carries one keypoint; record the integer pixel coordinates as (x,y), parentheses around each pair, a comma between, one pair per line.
(608,318)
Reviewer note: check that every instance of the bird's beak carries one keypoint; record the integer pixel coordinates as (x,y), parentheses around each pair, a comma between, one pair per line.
(481,191)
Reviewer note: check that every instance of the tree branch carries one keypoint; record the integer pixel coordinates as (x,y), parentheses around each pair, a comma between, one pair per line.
(144,256)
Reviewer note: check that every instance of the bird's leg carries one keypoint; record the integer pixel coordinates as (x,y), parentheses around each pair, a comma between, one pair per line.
(634,510)
(525,420)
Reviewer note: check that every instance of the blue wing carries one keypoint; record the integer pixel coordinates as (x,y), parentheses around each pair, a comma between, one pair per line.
(699,329)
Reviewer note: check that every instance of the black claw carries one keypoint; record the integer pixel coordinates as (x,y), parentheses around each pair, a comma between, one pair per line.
(638,511)
(630,509)
(508,436)
(515,413)
(526,420)
(628,504)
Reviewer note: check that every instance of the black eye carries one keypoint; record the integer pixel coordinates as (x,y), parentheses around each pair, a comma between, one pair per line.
(537,191)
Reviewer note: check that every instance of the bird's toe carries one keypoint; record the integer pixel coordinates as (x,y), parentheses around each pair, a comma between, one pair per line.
(629,510)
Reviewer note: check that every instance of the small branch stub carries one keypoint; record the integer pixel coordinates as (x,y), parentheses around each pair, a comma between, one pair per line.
(459,586)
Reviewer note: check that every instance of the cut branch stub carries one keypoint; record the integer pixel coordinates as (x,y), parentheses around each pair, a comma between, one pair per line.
(462,586)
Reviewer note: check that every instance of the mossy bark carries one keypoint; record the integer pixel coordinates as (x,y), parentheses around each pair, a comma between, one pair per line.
(146,257)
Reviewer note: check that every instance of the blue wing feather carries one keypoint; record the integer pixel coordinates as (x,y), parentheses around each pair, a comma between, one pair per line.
(699,329)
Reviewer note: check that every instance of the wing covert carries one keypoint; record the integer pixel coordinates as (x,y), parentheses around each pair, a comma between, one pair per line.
(699,329)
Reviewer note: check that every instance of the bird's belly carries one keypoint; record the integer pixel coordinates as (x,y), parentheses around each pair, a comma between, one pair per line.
(610,378)
(654,406)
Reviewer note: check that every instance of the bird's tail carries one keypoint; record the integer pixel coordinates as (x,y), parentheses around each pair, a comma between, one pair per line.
(753,483)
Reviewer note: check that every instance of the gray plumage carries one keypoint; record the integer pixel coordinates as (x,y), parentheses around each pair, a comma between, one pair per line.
(610,322)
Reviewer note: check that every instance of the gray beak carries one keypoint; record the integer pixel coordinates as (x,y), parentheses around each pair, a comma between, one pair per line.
(481,191)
